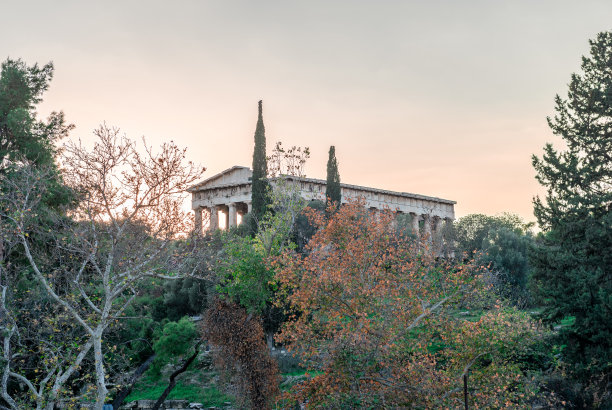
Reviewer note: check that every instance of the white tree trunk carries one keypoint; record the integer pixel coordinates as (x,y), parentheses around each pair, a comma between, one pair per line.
(102,392)
(7,366)
(61,379)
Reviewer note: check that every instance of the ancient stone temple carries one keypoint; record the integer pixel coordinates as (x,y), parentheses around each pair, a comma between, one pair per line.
(222,200)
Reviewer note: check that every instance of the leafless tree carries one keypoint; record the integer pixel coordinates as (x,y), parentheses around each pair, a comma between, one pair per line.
(128,225)
(35,331)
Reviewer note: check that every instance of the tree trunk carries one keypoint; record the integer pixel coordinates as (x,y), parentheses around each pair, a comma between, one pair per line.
(8,334)
(61,378)
(173,376)
(135,377)
(100,374)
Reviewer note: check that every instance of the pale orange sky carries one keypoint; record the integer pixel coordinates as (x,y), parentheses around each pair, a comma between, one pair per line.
(440,98)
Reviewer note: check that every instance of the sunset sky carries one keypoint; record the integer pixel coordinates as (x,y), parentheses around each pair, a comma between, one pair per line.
(440,98)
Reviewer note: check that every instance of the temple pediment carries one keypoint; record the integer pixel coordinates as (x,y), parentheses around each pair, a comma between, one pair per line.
(235,175)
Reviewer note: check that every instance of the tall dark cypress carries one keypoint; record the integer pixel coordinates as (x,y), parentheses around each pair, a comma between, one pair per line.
(332,191)
(259,194)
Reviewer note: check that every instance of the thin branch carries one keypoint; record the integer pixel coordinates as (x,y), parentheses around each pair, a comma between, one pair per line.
(50,290)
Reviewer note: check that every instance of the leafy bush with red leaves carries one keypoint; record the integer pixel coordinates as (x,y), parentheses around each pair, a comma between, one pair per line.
(241,352)
(377,322)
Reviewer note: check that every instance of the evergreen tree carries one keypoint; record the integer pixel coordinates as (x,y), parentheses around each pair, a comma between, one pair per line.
(21,88)
(259,196)
(501,242)
(22,135)
(573,262)
(333,191)
(505,251)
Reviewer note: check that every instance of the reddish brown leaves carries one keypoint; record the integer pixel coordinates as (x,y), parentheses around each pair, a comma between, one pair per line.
(375,316)
(242,352)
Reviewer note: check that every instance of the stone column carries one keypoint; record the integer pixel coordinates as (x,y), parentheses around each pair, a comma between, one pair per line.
(396,214)
(226,212)
(426,226)
(198,220)
(415,223)
(447,246)
(249,206)
(214,218)
(436,239)
(447,221)
(437,225)
(232,215)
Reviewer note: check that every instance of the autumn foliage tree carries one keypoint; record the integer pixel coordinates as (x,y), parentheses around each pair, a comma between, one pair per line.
(374,313)
(242,353)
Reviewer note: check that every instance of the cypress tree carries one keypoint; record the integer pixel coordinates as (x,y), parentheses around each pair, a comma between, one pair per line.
(573,262)
(259,194)
(333,192)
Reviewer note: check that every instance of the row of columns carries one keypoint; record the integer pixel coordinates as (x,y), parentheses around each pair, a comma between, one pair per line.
(430,222)
(431,231)
(231,210)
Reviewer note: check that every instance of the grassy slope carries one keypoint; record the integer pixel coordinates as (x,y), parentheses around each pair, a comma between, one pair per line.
(150,389)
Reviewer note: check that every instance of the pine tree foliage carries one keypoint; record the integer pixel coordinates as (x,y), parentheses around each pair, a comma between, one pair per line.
(260,185)
(573,264)
(22,135)
(333,191)
(21,88)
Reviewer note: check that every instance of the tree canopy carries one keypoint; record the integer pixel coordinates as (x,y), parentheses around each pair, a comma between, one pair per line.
(22,135)
(573,263)
(501,243)
(373,315)
(472,229)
